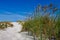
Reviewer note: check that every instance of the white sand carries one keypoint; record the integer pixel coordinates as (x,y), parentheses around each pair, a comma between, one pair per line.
(12,33)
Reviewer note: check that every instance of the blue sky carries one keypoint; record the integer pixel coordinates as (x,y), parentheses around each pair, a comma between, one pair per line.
(10,9)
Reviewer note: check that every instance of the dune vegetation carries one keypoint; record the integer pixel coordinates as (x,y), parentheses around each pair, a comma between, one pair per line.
(4,25)
(43,26)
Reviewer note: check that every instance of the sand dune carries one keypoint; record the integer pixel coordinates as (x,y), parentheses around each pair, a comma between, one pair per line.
(12,33)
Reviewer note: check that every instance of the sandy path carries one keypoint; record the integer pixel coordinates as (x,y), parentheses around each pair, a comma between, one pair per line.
(11,33)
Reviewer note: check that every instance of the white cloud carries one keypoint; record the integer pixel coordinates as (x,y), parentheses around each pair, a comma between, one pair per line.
(12,17)
(9,16)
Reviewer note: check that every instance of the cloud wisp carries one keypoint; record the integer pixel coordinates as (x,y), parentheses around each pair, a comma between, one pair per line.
(9,16)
